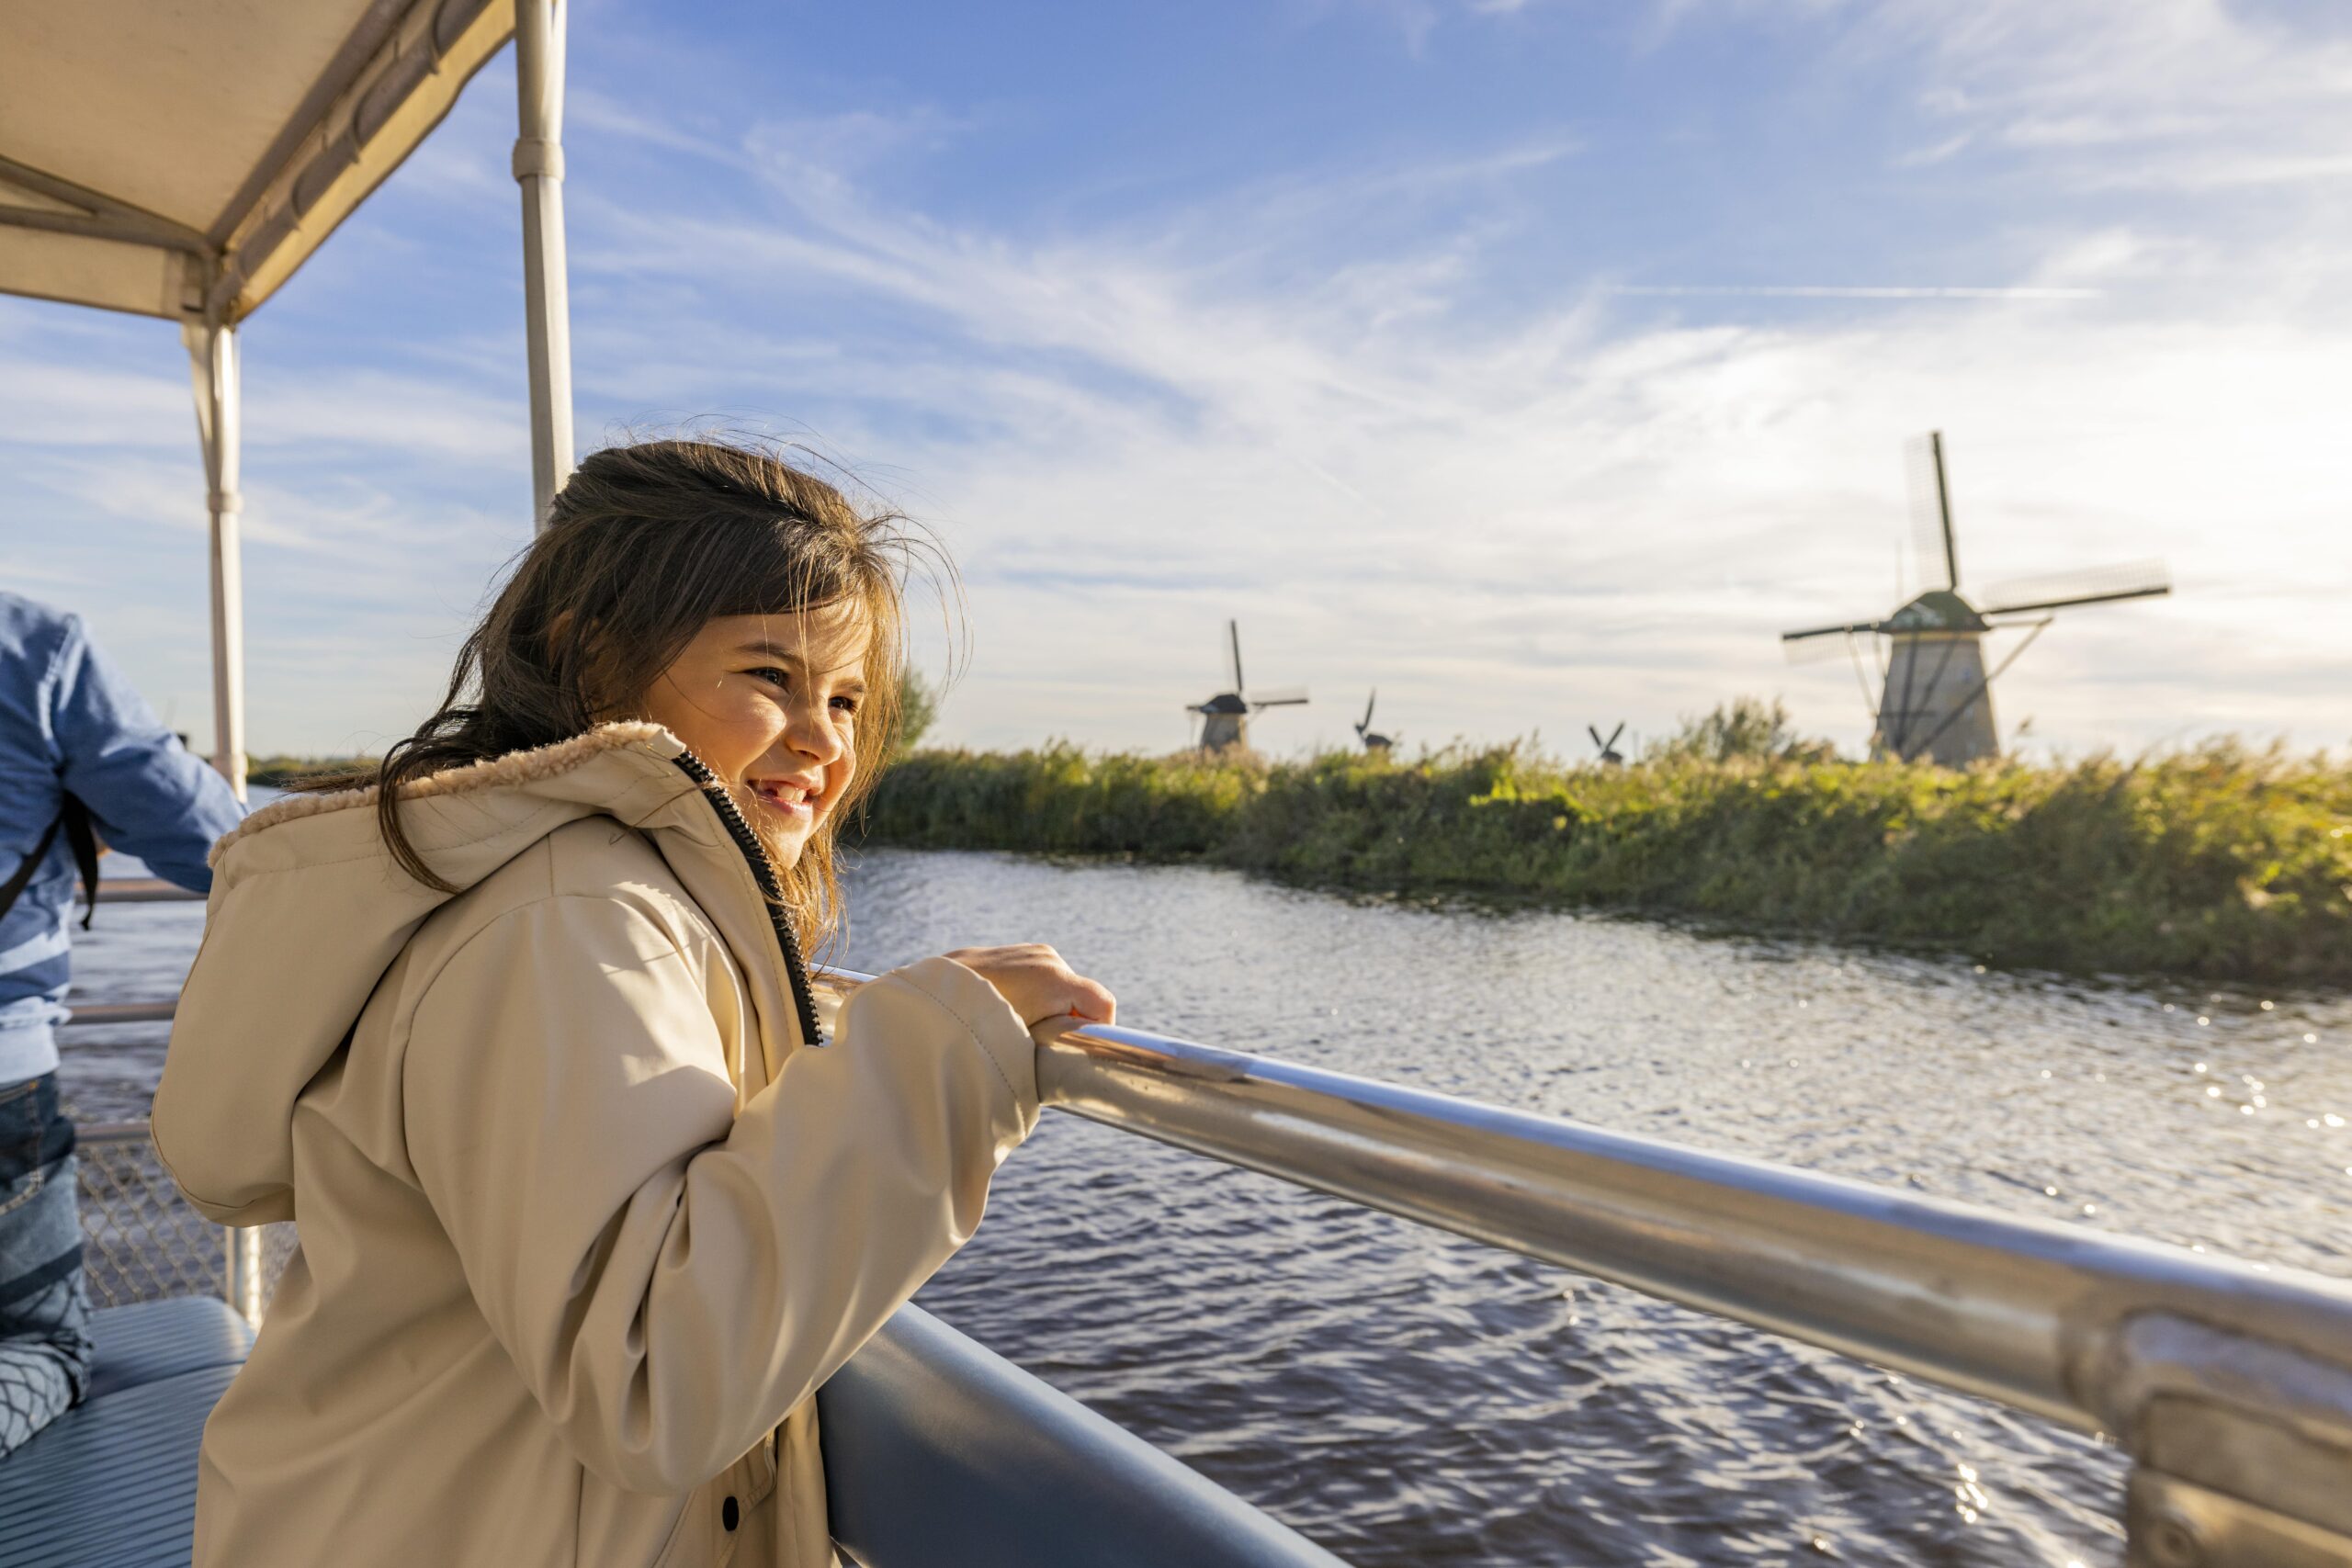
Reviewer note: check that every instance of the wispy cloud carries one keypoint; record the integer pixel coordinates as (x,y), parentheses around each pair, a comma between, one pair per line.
(2161,94)
(1128,439)
(1328,397)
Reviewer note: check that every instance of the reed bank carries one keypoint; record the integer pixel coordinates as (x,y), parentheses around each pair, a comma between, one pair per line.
(2222,863)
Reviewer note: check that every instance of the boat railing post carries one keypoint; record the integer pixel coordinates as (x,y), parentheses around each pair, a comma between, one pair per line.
(244,1274)
(212,364)
(538,169)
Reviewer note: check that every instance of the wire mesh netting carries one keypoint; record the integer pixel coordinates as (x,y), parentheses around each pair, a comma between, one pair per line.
(142,1242)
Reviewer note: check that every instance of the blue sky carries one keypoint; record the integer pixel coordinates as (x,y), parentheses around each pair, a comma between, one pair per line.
(1536,363)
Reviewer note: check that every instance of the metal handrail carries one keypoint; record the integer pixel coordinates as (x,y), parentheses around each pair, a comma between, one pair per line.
(2229,1383)
(2024,1311)
(144,890)
(122,1012)
(111,1132)
(2010,1308)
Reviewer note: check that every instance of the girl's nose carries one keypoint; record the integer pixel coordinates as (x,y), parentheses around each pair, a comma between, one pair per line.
(810,732)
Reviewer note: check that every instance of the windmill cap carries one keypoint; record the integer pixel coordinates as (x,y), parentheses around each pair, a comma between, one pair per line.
(1937,610)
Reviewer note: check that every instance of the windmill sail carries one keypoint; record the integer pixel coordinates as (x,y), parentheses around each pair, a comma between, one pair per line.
(1931,530)
(1817,647)
(1233,630)
(2098,585)
(1281,697)
(1852,628)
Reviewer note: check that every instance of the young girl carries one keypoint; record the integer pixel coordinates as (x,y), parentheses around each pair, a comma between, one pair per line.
(590,1201)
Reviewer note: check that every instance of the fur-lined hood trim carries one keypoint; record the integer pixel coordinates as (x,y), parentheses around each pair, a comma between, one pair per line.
(496,773)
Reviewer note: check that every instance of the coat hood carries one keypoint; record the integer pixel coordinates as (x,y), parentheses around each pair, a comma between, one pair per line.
(309,910)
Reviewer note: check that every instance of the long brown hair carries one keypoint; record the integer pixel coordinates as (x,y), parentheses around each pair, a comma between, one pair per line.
(644,545)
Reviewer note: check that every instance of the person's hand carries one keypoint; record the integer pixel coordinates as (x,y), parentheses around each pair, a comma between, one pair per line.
(1034,981)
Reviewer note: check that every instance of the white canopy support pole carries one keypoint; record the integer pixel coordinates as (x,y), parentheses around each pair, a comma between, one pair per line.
(212,362)
(538,168)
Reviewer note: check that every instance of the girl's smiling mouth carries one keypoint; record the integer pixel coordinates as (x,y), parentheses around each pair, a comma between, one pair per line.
(792,799)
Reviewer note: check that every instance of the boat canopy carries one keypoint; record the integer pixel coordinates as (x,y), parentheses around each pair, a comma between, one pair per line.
(182,158)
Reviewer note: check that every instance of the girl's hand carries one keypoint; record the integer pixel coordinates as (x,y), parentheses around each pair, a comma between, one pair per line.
(1033,978)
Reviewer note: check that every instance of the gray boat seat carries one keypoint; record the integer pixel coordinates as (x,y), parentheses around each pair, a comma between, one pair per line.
(141,1343)
(112,1482)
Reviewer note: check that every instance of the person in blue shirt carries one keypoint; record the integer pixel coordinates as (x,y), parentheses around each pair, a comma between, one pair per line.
(72,731)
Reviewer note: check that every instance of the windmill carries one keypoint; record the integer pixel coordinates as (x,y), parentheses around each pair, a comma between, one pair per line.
(1373,741)
(1609,756)
(1225,718)
(1935,697)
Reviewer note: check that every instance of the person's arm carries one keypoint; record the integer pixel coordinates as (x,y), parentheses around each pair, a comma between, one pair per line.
(146,795)
(670,1279)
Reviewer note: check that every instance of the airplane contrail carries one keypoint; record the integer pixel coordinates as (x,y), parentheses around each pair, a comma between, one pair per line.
(1855,291)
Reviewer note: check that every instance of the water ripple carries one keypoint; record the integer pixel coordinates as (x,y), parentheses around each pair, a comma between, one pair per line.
(1408,1397)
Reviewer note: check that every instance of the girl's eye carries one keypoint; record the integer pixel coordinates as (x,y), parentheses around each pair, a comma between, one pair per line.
(781,680)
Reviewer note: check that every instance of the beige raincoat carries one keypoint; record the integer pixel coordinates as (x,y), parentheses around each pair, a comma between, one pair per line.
(584,1221)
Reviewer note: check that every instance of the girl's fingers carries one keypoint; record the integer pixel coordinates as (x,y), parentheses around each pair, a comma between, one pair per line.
(1083,999)
(1086,1007)
(1032,974)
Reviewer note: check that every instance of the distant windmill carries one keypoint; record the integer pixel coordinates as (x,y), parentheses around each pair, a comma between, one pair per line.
(1372,742)
(1610,755)
(1936,698)
(1225,718)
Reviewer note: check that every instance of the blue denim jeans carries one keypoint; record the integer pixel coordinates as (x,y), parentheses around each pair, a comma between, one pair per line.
(44,1308)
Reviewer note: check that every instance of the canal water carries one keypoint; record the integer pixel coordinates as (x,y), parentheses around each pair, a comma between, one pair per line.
(1404,1397)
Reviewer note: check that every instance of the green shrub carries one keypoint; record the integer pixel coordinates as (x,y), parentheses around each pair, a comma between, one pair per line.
(1743,729)
(917,710)
(2221,863)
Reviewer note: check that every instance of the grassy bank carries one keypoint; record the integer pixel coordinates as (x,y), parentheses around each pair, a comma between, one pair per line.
(277,771)
(2223,864)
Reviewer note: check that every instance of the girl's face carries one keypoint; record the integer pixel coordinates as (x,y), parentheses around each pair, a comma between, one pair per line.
(769,703)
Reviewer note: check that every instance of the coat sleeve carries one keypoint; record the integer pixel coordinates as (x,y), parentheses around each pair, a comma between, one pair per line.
(671,1278)
(148,795)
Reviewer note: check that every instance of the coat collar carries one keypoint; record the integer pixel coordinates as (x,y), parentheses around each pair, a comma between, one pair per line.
(531,770)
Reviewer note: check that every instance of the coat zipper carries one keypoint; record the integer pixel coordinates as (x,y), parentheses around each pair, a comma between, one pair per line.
(731,816)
